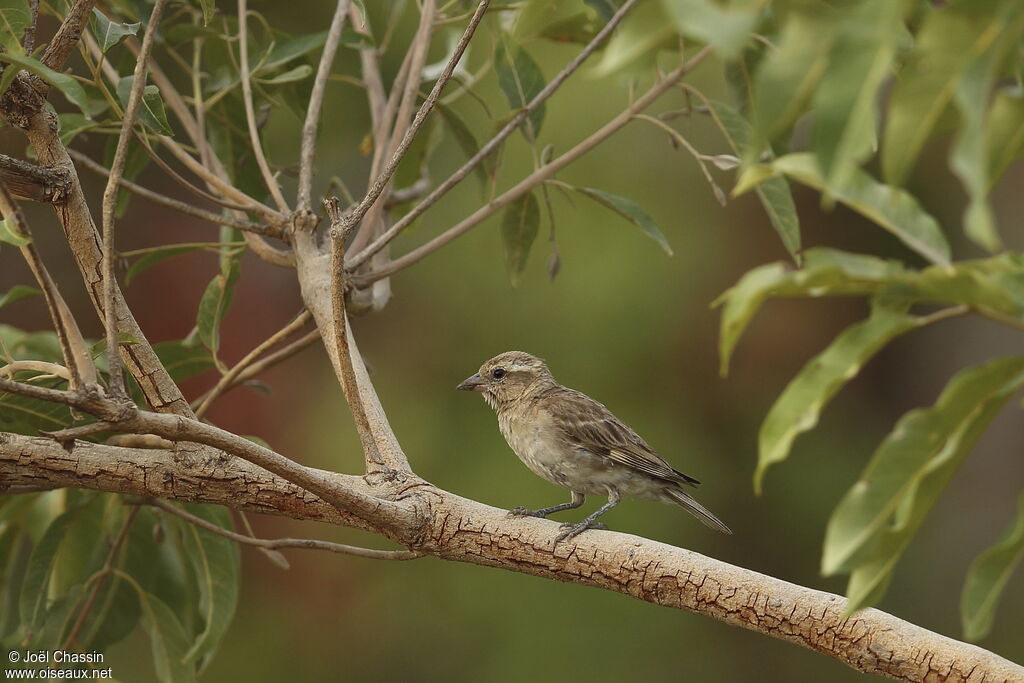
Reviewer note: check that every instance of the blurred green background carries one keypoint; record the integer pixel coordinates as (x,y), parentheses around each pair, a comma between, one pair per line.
(622,322)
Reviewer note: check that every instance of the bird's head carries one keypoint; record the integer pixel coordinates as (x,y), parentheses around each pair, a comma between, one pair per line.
(508,377)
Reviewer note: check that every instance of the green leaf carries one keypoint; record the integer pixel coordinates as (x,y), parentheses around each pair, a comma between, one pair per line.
(890,208)
(29,416)
(845,99)
(1005,126)
(71,88)
(71,124)
(151,258)
(135,162)
(35,590)
(110,34)
(727,30)
(521,80)
(287,50)
(16,293)
(209,8)
(987,577)
(796,411)
(151,109)
(301,72)
(9,233)
(636,42)
(875,520)
(947,43)
(464,138)
(518,230)
(14,19)
(215,564)
(215,303)
(167,638)
(774,193)
(788,75)
(183,361)
(629,210)
(969,155)
(356,40)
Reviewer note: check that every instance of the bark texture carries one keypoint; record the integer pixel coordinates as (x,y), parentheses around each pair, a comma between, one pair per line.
(455,528)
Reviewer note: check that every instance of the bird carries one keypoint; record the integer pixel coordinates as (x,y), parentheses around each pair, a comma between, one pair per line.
(572,441)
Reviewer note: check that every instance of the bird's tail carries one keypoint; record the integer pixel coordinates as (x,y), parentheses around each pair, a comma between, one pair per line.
(685,500)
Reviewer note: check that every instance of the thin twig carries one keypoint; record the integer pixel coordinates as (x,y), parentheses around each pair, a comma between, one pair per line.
(276,543)
(485,151)
(231,375)
(73,347)
(35,366)
(28,40)
(384,178)
(114,370)
(540,175)
(177,205)
(250,114)
(678,137)
(316,101)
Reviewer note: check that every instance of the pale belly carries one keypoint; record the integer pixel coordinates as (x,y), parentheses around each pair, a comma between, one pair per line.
(574,468)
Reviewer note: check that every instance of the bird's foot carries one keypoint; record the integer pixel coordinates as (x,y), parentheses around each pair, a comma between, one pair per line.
(521,511)
(572,530)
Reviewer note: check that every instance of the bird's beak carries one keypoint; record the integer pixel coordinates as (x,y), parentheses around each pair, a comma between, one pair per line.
(473,383)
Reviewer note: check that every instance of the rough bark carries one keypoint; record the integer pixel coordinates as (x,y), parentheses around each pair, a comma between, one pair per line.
(455,528)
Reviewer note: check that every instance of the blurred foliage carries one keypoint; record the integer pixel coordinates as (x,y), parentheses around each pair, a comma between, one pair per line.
(843,98)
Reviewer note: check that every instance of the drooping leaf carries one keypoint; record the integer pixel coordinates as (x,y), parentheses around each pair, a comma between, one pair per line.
(15,17)
(35,589)
(890,208)
(151,111)
(109,33)
(629,210)
(774,193)
(215,564)
(518,230)
(167,637)
(16,293)
(463,137)
(521,80)
(726,29)
(1005,126)
(787,76)
(798,407)
(845,99)
(944,47)
(215,303)
(287,50)
(875,520)
(995,284)
(987,577)
(969,155)
(71,88)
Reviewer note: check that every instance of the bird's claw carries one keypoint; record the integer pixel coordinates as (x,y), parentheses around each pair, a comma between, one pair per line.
(573,530)
(521,511)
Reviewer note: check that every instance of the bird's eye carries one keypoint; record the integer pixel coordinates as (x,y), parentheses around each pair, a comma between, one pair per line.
(498,373)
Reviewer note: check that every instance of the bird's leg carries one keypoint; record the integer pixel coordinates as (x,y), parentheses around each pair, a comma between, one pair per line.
(590,522)
(577,500)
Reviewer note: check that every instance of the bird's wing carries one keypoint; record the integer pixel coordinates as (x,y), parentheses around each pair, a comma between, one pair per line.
(589,424)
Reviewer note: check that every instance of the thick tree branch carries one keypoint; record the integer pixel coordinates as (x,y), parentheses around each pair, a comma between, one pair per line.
(70,32)
(463,530)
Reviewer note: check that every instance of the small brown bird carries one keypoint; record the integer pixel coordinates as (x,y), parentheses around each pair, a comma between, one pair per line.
(575,442)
